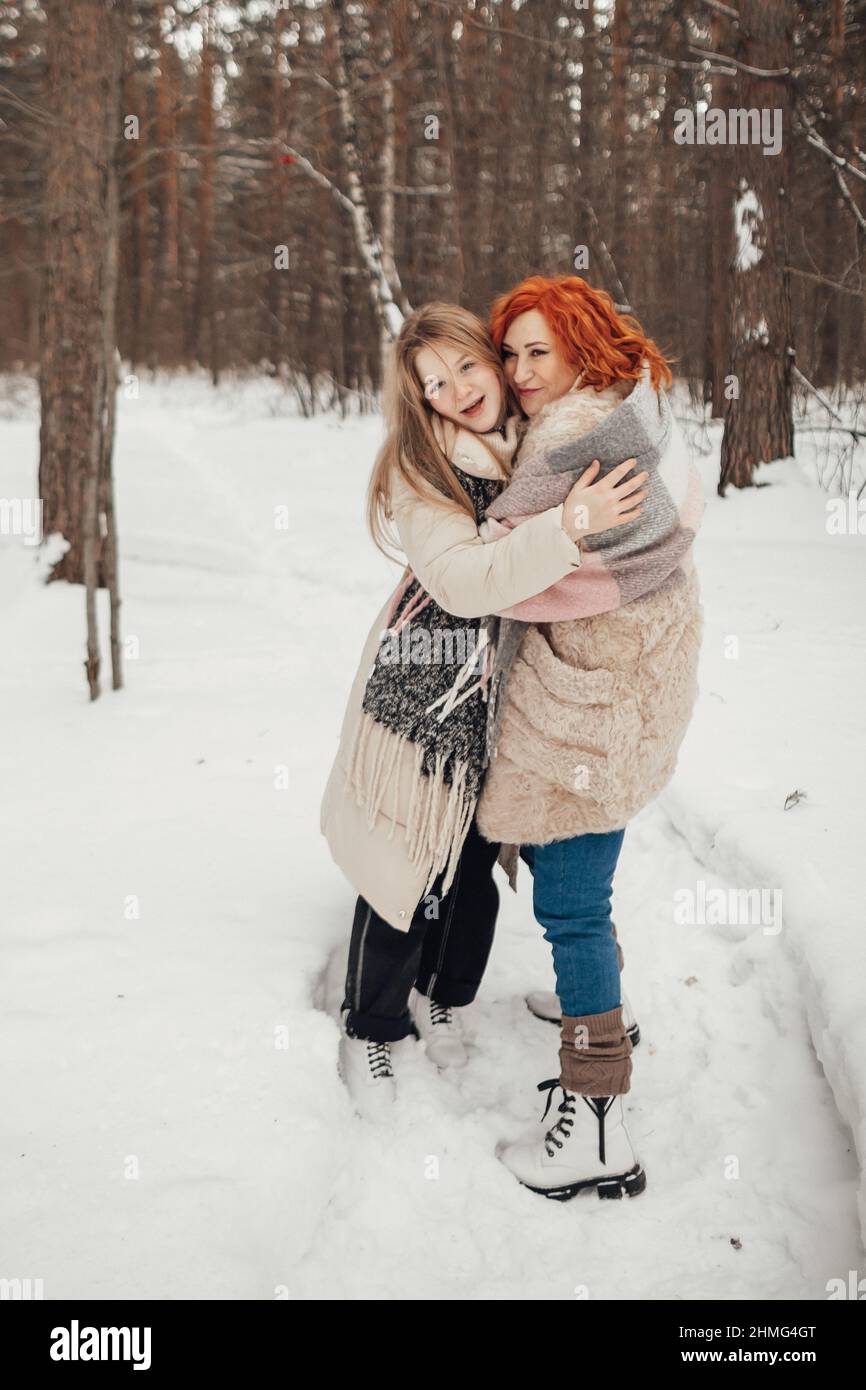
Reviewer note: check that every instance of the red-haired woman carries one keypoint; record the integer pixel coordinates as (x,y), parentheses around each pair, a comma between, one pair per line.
(593,689)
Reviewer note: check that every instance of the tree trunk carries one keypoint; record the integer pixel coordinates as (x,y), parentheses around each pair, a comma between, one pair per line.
(588,113)
(140,339)
(108,557)
(168,299)
(758,420)
(827,369)
(204,312)
(83,52)
(369,247)
(620,239)
(388,166)
(448,141)
(720,225)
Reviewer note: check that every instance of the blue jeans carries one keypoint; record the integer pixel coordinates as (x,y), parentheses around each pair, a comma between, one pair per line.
(572,881)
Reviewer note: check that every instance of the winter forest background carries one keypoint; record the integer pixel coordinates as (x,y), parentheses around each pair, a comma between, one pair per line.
(212,219)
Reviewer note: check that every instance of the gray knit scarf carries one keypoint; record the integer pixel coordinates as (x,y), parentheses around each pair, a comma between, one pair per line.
(635,559)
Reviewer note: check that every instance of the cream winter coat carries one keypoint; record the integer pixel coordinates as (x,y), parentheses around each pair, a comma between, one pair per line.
(466,578)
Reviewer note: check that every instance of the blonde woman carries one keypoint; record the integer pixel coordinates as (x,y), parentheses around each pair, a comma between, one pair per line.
(399,807)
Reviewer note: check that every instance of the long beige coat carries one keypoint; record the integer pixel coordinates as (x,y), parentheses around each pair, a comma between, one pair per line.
(466,578)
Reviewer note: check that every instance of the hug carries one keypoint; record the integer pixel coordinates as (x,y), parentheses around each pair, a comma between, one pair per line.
(539,487)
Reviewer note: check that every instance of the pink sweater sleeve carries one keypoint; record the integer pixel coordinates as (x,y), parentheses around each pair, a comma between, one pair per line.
(588,590)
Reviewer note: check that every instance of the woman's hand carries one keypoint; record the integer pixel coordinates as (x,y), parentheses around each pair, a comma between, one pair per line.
(597,504)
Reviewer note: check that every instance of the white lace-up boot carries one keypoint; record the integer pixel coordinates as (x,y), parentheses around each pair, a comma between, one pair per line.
(545,1005)
(588,1146)
(367,1072)
(439,1030)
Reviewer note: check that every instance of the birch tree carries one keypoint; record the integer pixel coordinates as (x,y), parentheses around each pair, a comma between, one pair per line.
(383,295)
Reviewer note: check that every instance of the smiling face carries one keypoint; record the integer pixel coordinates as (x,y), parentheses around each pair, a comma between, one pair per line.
(534,363)
(460,386)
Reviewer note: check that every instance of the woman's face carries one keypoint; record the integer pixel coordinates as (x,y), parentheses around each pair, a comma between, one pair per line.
(534,363)
(460,386)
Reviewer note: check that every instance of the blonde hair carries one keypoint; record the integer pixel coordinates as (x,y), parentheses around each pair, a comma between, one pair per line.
(411,450)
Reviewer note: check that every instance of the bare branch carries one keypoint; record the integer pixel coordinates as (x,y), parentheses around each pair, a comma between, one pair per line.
(855,434)
(737,65)
(819,143)
(319,178)
(431,190)
(823,280)
(36,112)
(839,163)
(722,9)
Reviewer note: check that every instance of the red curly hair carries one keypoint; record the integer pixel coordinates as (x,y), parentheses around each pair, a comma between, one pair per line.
(592,336)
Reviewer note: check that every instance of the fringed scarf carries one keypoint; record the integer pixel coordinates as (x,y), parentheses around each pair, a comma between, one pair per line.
(425,702)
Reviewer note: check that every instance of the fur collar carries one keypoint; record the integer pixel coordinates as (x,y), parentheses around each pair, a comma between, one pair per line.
(579,412)
(606,425)
(481,455)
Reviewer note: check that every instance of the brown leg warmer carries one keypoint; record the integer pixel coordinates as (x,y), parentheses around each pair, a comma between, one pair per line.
(595,1054)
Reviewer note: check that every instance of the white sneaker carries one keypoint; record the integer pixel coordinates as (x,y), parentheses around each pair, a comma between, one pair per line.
(366,1070)
(588,1146)
(439,1030)
(545,1005)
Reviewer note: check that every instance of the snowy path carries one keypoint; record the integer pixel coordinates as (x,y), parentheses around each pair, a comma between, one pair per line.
(158,1139)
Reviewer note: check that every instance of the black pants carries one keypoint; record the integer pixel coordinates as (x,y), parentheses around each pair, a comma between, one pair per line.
(443,955)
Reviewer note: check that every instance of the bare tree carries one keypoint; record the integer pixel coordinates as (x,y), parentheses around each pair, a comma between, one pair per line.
(204,309)
(310,124)
(720,223)
(758,420)
(382,293)
(78,374)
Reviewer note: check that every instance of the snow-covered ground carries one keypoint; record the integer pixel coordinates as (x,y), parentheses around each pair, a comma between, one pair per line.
(174,932)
